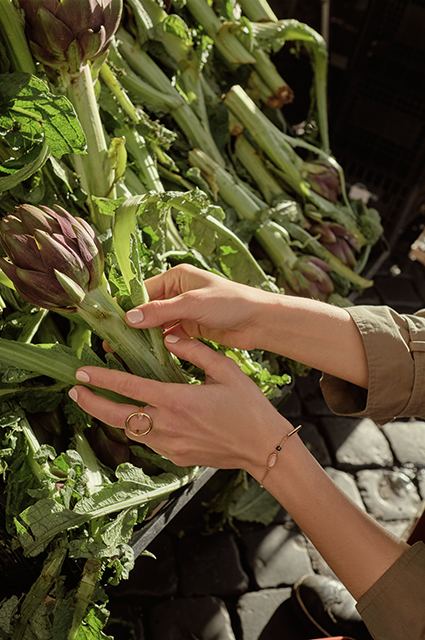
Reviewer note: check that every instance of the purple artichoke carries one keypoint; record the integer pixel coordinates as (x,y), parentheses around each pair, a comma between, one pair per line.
(66,34)
(54,258)
(324,180)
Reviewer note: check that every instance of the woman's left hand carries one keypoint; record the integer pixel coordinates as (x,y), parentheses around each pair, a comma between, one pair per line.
(225,423)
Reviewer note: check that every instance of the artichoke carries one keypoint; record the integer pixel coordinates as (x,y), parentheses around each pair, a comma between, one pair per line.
(45,247)
(66,34)
(55,261)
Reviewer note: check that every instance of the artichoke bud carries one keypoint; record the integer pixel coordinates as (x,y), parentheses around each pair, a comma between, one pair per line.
(324,180)
(55,259)
(66,34)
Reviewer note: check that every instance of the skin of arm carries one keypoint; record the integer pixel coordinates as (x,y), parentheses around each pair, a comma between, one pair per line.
(228,423)
(205,305)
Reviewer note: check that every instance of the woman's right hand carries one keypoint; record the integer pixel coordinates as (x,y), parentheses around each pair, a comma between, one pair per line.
(187,301)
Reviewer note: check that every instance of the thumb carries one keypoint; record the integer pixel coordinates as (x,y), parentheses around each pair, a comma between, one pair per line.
(216,366)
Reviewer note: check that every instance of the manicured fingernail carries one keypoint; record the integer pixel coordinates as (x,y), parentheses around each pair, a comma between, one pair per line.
(82,376)
(135,316)
(171,338)
(73,394)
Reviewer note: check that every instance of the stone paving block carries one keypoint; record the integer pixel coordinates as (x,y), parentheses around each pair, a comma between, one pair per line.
(205,618)
(268,615)
(152,576)
(315,443)
(318,563)
(421,483)
(210,565)
(357,443)
(388,494)
(346,482)
(407,440)
(276,556)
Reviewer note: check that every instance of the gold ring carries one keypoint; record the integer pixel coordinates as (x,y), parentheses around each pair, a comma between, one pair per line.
(140,416)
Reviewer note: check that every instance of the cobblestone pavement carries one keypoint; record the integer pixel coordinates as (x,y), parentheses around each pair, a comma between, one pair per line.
(236,584)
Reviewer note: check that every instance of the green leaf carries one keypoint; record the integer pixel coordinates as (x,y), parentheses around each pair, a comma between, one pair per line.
(29,164)
(30,113)
(254,504)
(94,622)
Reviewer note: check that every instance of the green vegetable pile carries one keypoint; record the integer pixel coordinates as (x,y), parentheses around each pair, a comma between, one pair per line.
(135,136)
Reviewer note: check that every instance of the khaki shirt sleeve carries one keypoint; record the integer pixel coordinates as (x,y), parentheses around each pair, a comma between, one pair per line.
(394,607)
(395,351)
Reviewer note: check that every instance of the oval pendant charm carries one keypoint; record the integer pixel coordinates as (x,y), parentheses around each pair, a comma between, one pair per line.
(272,460)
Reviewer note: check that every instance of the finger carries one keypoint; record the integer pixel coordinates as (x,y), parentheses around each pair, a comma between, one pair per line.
(141,390)
(106,347)
(173,282)
(133,419)
(216,366)
(163,313)
(105,410)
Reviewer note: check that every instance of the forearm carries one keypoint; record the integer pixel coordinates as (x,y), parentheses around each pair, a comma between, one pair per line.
(314,333)
(357,549)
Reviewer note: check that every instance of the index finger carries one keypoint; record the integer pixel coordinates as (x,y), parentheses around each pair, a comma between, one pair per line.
(175,281)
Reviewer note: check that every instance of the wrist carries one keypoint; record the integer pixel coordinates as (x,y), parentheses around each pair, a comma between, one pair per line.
(269,454)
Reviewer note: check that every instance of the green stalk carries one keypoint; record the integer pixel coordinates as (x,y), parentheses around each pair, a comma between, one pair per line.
(256,167)
(105,316)
(226,42)
(270,236)
(97,176)
(137,148)
(258,10)
(84,595)
(187,120)
(47,360)
(111,81)
(39,591)
(259,90)
(133,182)
(13,36)
(266,69)
(155,100)
(265,135)
(183,56)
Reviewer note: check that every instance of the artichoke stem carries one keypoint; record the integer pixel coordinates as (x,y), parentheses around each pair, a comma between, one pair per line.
(97,176)
(106,318)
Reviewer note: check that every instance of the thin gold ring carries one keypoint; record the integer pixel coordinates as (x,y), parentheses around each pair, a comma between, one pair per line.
(140,415)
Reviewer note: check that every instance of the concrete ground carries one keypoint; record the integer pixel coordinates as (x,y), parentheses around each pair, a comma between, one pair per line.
(235,584)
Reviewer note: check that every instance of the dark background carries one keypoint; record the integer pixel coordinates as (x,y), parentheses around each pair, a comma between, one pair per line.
(376,99)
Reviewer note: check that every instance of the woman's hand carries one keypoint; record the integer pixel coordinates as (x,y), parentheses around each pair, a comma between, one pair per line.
(204,305)
(224,423)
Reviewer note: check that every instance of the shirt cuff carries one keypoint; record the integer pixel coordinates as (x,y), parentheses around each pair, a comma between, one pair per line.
(393,608)
(386,338)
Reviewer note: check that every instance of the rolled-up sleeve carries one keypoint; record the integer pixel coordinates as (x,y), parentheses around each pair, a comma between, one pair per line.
(393,608)
(395,349)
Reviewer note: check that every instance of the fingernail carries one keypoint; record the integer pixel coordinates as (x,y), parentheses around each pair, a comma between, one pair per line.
(171,337)
(73,394)
(82,376)
(135,316)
